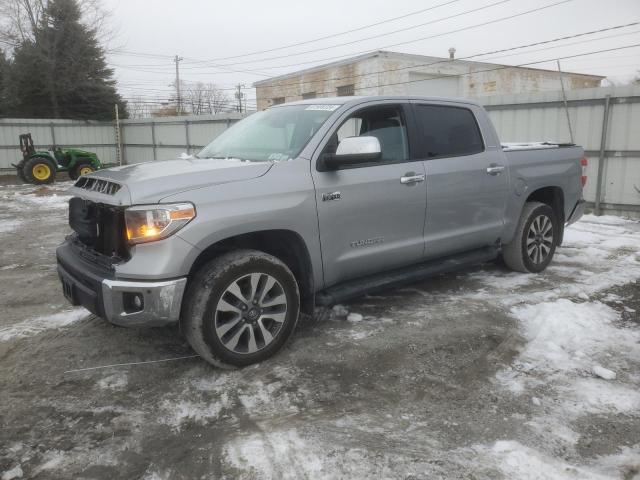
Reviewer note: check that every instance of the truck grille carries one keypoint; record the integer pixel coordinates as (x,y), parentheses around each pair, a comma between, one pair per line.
(99,227)
(98,185)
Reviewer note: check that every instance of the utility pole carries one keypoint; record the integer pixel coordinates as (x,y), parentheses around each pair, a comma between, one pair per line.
(118,137)
(239,96)
(566,104)
(178,59)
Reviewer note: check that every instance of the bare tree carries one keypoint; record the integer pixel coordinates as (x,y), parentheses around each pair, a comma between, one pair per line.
(19,20)
(138,107)
(202,99)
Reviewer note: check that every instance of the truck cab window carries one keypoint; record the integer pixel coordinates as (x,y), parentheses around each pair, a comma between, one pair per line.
(448,131)
(385,123)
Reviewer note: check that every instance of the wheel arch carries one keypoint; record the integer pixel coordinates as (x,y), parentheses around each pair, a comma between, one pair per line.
(286,245)
(554,197)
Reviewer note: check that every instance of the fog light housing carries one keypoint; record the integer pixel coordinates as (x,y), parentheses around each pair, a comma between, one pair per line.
(132,302)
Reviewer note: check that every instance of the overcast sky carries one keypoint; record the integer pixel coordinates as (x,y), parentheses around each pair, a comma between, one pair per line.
(208,33)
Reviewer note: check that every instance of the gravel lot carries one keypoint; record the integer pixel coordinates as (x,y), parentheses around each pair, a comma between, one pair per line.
(484,374)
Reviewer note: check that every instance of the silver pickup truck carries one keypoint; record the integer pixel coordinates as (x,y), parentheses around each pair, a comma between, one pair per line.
(311,203)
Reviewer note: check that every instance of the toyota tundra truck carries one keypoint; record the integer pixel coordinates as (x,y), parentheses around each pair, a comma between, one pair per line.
(308,204)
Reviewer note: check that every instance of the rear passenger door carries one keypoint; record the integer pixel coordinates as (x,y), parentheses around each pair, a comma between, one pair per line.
(466,182)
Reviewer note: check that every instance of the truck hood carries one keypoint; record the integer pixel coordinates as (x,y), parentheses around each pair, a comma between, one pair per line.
(150,181)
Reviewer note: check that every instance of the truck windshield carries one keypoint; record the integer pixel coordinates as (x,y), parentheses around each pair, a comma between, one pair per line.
(277,134)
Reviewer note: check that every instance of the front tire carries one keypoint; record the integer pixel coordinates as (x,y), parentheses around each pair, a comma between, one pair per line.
(83,167)
(535,241)
(240,308)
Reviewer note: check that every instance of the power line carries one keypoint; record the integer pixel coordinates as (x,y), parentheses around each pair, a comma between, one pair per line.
(404,29)
(469,27)
(224,65)
(318,39)
(572,43)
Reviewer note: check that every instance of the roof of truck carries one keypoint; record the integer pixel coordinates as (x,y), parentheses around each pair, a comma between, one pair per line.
(355,100)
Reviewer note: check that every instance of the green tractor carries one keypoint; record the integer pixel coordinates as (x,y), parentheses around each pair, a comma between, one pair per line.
(39,167)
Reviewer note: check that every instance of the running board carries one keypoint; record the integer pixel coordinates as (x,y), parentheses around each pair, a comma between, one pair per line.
(393,278)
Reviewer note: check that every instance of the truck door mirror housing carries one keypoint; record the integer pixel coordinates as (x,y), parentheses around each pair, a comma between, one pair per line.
(353,151)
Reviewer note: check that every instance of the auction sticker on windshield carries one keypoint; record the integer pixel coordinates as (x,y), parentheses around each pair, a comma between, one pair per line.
(326,108)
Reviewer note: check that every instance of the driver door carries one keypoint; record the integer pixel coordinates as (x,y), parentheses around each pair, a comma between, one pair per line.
(371,217)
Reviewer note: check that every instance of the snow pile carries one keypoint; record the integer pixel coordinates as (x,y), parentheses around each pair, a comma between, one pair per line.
(187,411)
(9,225)
(577,353)
(603,373)
(589,395)
(264,455)
(33,326)
(15,472)
(565,336)
(117,381)
(597,253)
(517,461)
(53,201)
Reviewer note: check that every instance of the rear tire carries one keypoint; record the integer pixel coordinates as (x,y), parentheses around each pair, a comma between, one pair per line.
(39,170)
(240,308)
(535,240)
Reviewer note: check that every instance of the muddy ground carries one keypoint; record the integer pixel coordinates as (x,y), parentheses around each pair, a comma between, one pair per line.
(438,380)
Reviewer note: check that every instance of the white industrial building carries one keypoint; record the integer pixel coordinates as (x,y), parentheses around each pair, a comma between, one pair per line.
(390,73)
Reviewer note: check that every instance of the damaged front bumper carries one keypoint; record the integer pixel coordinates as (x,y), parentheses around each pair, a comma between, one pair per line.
(122,302)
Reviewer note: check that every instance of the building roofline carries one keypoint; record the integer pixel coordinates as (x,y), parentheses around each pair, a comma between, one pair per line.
(385,53)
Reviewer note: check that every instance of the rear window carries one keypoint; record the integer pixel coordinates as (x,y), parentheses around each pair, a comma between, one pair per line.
(448,131)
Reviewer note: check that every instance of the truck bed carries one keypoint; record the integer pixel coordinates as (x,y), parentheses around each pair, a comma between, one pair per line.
(511,146)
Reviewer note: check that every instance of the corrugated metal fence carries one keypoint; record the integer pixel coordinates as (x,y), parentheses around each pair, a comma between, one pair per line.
(142,140)
(605,121)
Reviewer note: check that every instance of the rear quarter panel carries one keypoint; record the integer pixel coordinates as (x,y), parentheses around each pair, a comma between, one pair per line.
(530,170)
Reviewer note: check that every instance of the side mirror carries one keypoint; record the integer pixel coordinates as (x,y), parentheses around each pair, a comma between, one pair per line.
(353,151)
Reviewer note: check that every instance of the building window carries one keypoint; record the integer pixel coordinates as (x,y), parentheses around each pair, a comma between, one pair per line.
(277,100)
(346,90)
(308,95)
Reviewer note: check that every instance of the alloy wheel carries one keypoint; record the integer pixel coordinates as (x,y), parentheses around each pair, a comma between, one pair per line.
(540,239)
(250,313)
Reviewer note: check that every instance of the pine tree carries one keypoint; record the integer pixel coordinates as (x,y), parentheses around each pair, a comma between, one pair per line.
(62,73)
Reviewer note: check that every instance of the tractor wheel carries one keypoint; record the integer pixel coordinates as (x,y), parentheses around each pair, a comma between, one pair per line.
(39,170)
(83,167)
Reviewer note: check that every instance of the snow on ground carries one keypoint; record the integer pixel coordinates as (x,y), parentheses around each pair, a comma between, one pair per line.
(570,342)
(8,225)
(26,196)
(36,325)
(575,348)
(517,461)
(54,200)
(597,253)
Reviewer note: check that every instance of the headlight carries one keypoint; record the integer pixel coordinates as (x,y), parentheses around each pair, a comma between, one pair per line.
(147,223)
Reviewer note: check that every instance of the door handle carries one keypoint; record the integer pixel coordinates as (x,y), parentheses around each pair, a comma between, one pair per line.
(409,179)
(495,169)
